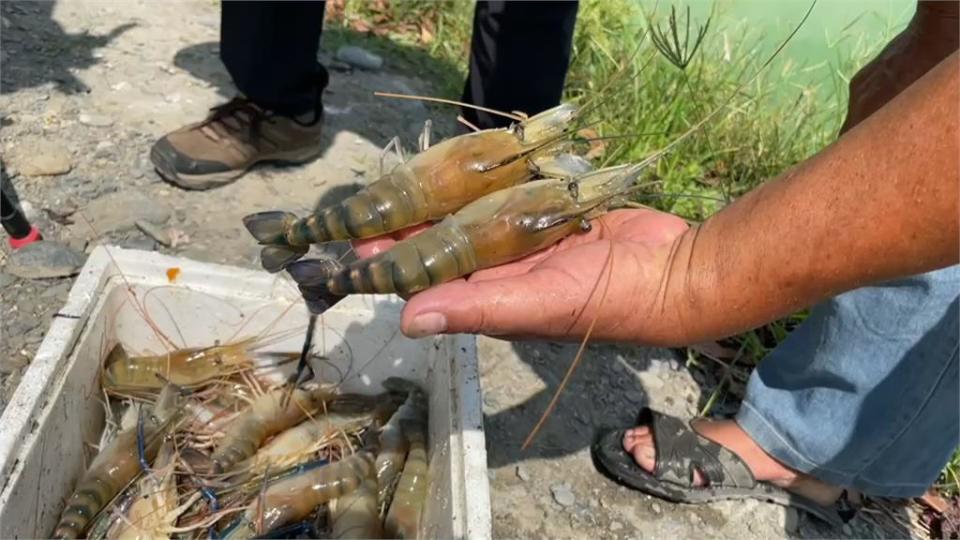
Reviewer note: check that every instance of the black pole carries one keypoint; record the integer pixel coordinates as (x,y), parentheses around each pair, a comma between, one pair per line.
(14,222)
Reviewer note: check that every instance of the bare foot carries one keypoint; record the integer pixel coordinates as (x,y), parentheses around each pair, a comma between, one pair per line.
(639,443)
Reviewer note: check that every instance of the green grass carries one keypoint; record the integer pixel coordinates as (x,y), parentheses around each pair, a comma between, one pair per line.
(789,112)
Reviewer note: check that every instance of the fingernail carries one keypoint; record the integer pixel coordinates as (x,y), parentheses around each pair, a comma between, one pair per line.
(427,324)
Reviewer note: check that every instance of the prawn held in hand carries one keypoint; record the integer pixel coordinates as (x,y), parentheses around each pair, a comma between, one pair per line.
(496,229)
(436,182)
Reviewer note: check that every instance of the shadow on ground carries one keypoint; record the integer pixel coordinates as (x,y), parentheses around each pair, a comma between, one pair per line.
(36,50)
(604,392)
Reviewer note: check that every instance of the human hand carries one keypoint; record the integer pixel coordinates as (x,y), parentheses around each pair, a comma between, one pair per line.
(557,292)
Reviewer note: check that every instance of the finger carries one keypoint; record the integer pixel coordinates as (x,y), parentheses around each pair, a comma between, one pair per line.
(371,246)
(507,306)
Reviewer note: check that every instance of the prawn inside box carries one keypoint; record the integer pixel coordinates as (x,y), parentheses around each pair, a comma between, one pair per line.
(55,415)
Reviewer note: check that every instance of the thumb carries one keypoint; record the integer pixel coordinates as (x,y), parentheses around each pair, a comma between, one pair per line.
(533,303)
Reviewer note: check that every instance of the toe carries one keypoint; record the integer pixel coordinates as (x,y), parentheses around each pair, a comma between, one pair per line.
(644,455)
(633,436)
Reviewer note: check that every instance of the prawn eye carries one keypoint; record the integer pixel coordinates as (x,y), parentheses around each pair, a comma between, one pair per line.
(585,225)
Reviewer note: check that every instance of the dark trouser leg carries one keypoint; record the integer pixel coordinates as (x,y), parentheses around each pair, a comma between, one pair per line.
(270,50)
(519,57)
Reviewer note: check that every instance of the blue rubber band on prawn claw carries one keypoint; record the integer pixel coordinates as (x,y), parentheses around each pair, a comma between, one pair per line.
(214,506)
(141,446)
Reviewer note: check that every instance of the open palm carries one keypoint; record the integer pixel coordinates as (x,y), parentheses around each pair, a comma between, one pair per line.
(556,293)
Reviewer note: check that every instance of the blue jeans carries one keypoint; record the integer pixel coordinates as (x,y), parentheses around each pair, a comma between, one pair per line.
(866,392)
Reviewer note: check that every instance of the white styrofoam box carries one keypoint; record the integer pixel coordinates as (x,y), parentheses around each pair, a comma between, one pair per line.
(57,412)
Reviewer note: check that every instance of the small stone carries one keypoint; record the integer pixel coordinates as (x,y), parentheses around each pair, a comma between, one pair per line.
(121,210)
(95,120)
(6,279)
(616,526)
(655,507)
(153,231)
(336,65)
(141,242)
(56,290)
(847,529)
(651,381)
(359,57)
(522,473)
(563,495)
(78,244)
(44,259)
(41,158)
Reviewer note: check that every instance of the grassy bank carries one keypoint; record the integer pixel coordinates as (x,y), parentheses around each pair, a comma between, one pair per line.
(789,112)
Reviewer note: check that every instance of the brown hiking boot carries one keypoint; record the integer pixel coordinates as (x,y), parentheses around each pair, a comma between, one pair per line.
(236,135)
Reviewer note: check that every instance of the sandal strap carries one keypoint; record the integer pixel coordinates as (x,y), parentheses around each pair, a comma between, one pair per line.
(680,451)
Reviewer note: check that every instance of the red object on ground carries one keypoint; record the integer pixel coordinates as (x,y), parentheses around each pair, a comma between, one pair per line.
(33,236)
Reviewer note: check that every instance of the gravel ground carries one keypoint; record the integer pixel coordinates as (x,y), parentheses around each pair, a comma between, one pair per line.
(86,89)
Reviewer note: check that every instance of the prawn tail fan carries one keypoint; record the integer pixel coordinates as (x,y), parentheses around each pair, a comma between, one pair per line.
(276,258)
(311,277)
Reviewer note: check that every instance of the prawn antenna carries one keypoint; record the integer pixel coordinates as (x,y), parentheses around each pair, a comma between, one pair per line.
(137,305)
(608,267)
(450,102)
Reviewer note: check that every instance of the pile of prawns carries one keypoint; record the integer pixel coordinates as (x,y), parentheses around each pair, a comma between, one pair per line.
(215,446)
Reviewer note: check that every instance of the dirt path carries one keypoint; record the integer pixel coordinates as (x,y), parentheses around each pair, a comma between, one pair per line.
(88,86)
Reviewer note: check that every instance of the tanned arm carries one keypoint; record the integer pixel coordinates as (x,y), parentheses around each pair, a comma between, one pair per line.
(830,224)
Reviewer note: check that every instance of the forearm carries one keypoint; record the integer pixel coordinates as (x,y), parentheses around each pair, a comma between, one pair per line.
(878,204)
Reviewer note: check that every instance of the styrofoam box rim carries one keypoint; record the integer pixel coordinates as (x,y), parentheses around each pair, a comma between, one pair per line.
(148,268)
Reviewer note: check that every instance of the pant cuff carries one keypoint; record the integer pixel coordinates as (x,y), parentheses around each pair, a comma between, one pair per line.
(764,432)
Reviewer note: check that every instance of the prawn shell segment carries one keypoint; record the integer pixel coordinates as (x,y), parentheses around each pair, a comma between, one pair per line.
(434,256)
(293,498)
(465,168)
(520,221)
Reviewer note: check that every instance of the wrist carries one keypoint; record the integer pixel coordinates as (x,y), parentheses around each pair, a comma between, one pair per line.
(681,304)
